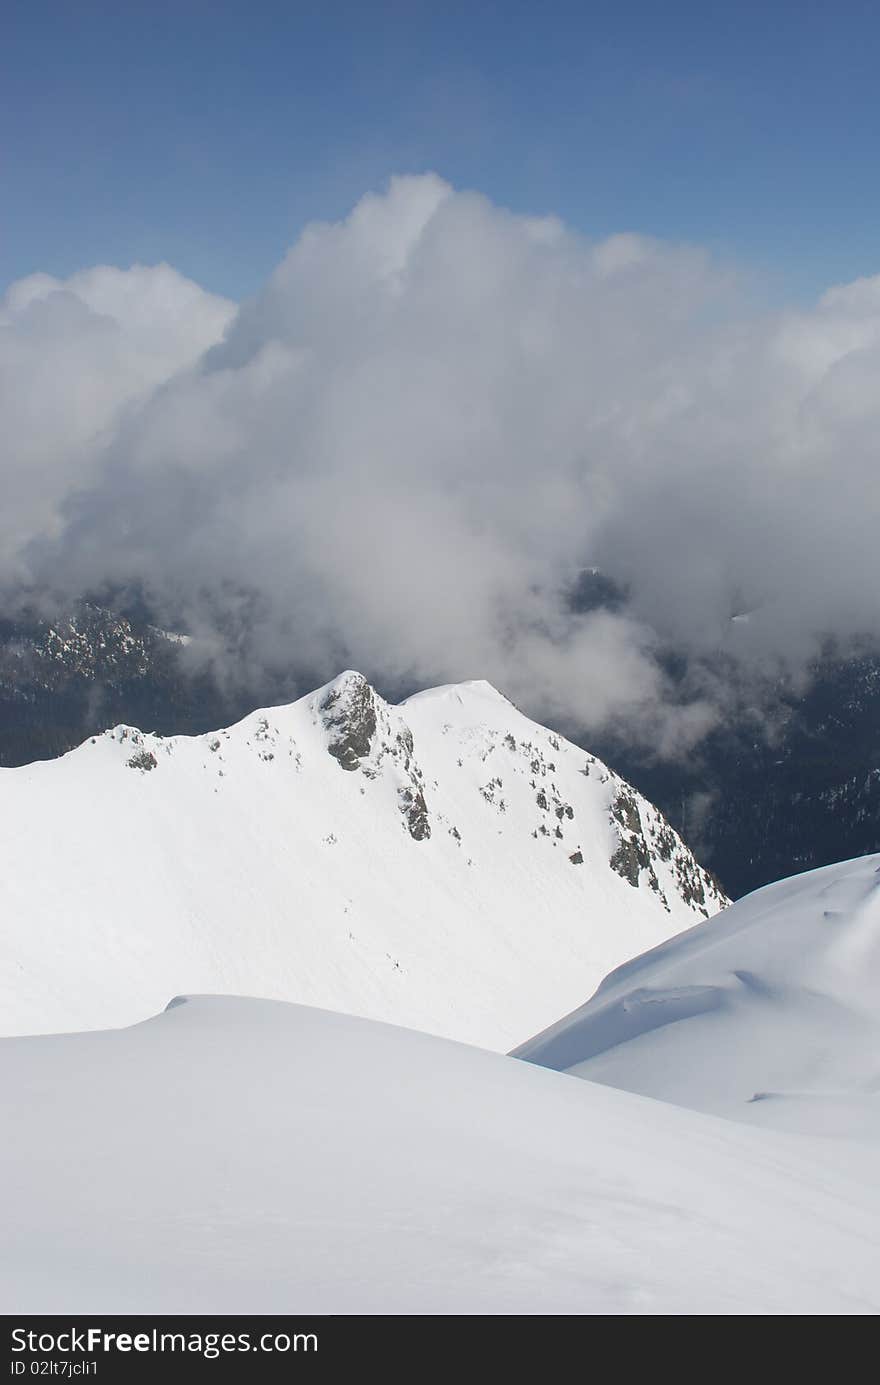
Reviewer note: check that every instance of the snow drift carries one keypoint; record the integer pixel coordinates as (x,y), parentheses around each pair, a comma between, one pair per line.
(767,1013)
(236,1156)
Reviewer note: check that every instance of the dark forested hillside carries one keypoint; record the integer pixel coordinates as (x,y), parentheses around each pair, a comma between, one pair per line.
(757,808)
(63,679)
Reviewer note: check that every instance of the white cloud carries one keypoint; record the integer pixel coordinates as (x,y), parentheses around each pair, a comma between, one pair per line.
(73,355)
(400,453)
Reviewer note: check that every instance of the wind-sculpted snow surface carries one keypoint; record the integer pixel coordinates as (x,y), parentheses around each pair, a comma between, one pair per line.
(768,1013)
(235,1156)
(446,864)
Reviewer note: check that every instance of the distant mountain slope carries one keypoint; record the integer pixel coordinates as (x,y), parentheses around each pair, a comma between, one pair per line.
(236,1156)
(68,677)
(446,864)
(767,1013)
(769,793)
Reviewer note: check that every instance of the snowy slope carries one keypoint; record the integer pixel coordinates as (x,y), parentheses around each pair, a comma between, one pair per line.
(768,1013)
(446,864)
(237,1156)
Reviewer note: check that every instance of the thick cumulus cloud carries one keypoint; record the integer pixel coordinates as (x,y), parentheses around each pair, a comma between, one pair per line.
(402,454)
(74,355)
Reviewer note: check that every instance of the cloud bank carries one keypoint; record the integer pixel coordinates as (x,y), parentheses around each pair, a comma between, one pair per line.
(404,451)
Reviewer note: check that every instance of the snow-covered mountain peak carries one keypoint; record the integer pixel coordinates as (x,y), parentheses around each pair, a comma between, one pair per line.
(348,710)
(364,733)
(357,722)
(445,863)
(470,693)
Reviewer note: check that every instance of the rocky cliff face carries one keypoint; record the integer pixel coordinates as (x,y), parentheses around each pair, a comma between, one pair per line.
(365,734)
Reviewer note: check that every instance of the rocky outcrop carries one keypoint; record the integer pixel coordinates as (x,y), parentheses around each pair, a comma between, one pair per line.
(349,714)
(365,734)
(142,759)
(415,811)
(644,837)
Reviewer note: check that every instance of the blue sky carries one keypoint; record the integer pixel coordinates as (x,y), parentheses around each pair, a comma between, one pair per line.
(206,134)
